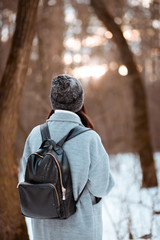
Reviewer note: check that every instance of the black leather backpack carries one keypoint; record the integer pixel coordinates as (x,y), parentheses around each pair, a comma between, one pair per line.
(47,190)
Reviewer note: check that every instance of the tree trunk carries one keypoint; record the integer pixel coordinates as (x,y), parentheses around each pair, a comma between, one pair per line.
(50,33)
(142,140)
(12,224)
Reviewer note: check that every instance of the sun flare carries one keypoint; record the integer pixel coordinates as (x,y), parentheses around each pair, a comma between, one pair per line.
(93,71)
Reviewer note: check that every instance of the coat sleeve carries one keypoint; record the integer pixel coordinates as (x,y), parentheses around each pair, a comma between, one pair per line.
(26,153)
(100,180)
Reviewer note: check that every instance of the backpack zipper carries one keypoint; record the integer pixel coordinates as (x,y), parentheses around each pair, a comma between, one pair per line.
(37,154)
(62,188)
(56,193)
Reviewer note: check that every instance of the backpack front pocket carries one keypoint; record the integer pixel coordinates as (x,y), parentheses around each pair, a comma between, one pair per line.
(39,200)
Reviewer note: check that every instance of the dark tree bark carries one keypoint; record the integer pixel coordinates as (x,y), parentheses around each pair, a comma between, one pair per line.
(12,224)
(142,140)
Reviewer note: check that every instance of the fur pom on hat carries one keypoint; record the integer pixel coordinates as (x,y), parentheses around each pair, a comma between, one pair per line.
(66,93)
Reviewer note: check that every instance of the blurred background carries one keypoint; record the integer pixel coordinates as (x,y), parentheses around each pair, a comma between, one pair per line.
(71,39)
(113,48)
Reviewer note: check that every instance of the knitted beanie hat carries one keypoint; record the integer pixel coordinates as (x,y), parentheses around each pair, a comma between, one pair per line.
(66,93)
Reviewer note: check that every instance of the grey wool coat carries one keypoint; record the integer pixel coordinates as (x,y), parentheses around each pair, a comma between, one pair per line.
(89,164)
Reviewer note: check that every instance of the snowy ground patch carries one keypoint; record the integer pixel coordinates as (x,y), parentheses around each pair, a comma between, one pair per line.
(130,212)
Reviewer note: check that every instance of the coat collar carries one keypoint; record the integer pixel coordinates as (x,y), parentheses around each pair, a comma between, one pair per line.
(65,117)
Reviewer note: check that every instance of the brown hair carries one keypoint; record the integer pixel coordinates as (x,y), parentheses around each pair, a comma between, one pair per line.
(83,116)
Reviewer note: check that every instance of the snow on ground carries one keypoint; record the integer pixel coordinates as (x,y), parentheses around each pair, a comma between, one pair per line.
(128,208)
(129,212)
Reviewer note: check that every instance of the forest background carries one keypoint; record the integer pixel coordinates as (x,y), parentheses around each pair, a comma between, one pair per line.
(112,47)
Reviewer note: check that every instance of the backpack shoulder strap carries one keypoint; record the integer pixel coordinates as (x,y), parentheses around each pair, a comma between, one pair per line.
(44,131)
(77,131)
(73,133)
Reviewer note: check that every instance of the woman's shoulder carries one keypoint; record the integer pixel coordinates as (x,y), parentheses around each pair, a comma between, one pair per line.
(96,143)
(35,132)
(94,133)
(93,136)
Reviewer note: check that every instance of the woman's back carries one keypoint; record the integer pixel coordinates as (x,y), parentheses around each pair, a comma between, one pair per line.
(89,165)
